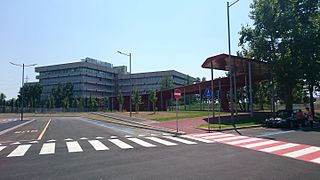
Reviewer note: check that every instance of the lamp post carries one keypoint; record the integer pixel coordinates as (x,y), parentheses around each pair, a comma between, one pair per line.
(129,55)
(22,84)
(231,68)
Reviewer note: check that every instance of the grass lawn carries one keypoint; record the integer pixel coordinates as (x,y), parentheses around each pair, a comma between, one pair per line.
(170,115)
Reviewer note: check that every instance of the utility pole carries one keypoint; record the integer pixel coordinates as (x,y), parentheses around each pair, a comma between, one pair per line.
(22,84)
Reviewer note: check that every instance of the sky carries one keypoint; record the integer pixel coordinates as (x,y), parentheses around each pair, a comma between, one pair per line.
(160,34)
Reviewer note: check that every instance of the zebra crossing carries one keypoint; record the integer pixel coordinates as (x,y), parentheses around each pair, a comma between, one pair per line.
(291,150)
(9,120)
(49,147)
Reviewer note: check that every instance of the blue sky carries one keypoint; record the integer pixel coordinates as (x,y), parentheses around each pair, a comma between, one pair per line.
(161,35)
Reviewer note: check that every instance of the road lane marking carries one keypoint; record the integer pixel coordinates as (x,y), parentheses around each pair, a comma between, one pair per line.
(2,147)
(317,160)
(48,148)
(44,130)
(161,141)
(230,138)
(252,145)
(51,140)
(218,136)
(68,139)
(99,137)
(302,152)
(197,139)
(15,127)
(120,144)
(15,143)
(180,140)
(141,142)
(74,146)
(279,147)
(97,145)
(242,141)
(83,138)
(20,150)
(207,134)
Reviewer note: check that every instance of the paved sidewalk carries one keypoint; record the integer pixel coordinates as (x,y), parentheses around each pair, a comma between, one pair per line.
(186,125)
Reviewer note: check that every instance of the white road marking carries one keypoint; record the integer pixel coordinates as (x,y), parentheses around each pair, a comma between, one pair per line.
(259,144)
(207,134)
(161,141)
(113,137)
(197,139)
(231,138)
(68,139)
(83,138)
(20,150)
(51,140)
(141,135)
(74,146)
(97,145)
(317,160)
(34,142)
(279,147)
(48,148)
(153,135)
(302,152)
(141,142)
(99,137)
(180,140)
(242,141)
(16,143)
(127,136)
(2,147)
(218,136)
(120,144)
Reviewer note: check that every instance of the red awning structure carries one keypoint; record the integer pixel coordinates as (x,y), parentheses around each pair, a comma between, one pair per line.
(259,69)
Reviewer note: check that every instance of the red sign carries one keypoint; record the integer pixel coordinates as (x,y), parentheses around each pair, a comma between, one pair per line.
(177,94)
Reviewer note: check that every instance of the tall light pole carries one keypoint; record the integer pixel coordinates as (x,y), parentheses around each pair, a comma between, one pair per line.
(22,84)
(231,68)
(129,55)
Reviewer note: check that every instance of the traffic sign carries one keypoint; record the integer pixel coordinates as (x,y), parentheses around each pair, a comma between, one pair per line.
(208,93)
(177,94)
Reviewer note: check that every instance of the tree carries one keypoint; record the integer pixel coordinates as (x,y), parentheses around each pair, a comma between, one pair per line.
(153,98)
(61,93)
(51,102)
(66,103)
(120,100)
(2,101)
(136,100)
(281,30)
(31,94)
(92,103)
(203,79)
(197,80)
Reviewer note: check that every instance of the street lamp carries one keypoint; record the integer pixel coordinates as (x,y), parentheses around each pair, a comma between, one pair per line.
(129,55)
(231,68)
(22,94)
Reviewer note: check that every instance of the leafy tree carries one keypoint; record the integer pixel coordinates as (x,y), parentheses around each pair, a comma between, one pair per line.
(31,94)
(2,99)
(153,98)
(51,102)
(61,93)
(203,79)
(92,103)
(120,100)
(286,36)
(136,100)
(66,103)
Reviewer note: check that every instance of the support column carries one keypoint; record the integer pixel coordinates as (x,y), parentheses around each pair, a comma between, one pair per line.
(250,90)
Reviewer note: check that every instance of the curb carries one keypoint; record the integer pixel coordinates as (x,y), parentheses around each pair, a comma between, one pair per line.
(136,124)
(15,127)
(227,129)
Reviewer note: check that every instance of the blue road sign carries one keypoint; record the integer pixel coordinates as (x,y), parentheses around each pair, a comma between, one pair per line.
(208,93)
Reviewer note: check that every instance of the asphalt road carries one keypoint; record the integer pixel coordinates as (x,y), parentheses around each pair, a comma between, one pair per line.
(179,161)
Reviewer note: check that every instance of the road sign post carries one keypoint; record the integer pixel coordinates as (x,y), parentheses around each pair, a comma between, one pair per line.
(208,95)
(177,95)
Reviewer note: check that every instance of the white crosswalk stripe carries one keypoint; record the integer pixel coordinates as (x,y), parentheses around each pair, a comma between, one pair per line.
(279,147)
(207,134)
(161,141)
(242,141)
(230,138)
(48,148)
(20,150)
(120,144)
(302,152)
(2,147)
(259,144)
(197,139)
(98,145)
(180,140)
(219,136)
(141,142)
(317,160)
(73,146)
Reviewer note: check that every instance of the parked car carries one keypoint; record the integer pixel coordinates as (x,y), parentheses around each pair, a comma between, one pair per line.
(284,119)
